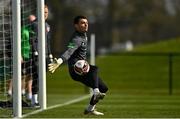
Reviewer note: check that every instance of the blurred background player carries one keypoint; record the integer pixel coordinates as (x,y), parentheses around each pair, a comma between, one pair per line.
(32,18)
(77,50)
(26,60)
(49,56)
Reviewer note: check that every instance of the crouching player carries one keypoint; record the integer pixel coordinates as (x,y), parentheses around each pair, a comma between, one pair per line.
(76,53)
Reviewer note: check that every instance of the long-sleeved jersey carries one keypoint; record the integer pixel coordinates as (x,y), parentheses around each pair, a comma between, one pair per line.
(76,49)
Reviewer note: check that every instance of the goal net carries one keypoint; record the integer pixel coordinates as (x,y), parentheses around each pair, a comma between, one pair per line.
(5,44)
(28,9)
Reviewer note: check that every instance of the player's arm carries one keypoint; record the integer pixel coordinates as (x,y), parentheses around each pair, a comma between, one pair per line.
(34,38)
(50,56)
(72,47)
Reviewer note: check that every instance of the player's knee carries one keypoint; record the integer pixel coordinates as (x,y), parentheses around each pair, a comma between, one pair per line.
(93,68)
(104,89)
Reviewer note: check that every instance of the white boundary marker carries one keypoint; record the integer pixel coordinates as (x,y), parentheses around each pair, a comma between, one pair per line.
(58,105)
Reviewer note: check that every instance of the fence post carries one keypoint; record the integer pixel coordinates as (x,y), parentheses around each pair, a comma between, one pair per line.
(170,73)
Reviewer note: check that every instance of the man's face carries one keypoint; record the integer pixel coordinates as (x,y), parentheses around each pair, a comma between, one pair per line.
(82,25)
(46,12)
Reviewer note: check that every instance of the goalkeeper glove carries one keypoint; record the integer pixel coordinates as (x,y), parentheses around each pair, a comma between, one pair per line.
(53,66)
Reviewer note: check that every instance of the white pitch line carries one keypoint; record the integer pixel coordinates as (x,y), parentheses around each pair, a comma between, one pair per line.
(59,105)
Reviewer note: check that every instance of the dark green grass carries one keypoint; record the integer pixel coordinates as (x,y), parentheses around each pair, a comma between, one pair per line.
(122,106)
(140,74)
(171,45)
(138,87)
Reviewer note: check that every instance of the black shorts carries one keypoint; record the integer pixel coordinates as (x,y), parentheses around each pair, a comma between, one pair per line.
(88,79)
(91,79)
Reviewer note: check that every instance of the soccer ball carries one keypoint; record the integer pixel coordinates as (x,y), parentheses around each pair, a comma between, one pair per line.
(81,67)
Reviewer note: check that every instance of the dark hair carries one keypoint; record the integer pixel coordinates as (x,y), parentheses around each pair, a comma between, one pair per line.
(77,18)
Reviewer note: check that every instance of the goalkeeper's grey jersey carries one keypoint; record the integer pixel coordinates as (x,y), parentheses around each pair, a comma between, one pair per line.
(77,48)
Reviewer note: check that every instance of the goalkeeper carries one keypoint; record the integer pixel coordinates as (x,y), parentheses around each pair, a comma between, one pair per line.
(77,50)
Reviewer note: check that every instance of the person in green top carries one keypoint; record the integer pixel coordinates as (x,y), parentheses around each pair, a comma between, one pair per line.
(26,60)
(25,43)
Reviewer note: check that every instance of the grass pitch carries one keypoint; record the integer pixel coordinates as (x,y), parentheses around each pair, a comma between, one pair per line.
(122,106)
(138,88)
